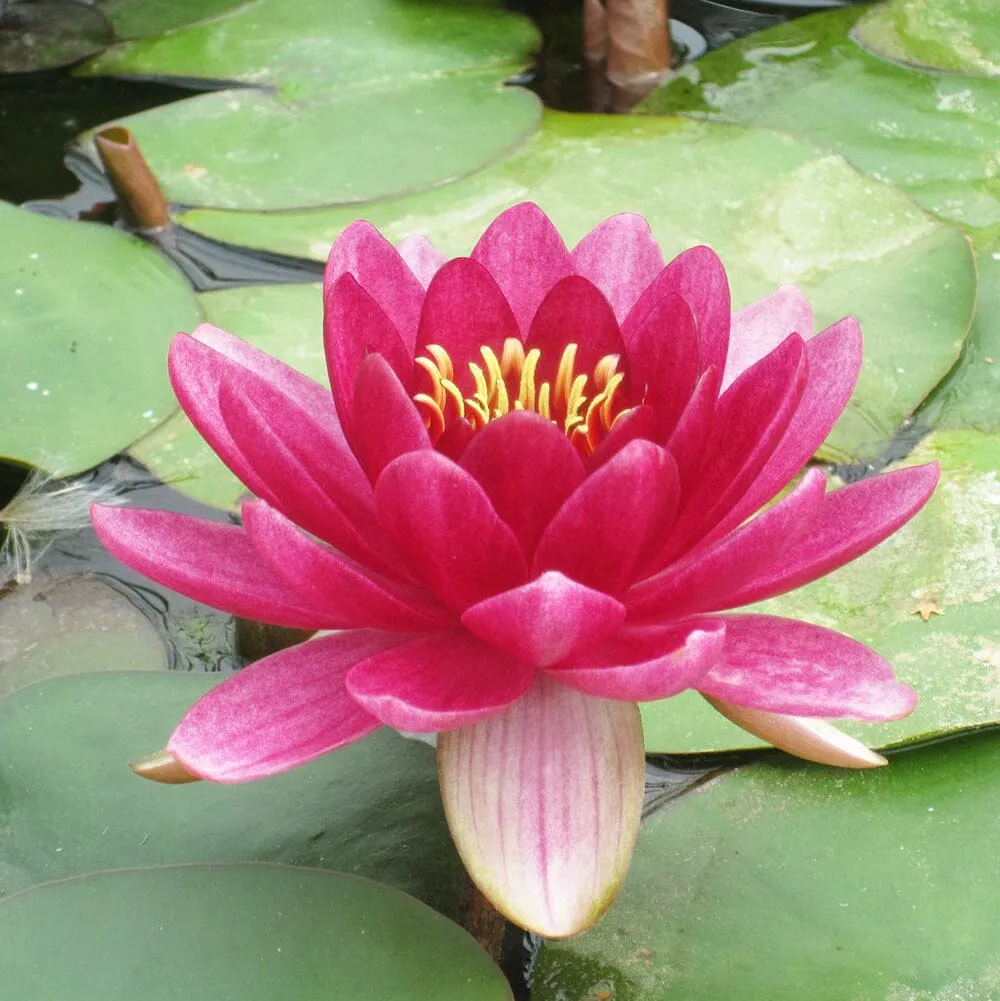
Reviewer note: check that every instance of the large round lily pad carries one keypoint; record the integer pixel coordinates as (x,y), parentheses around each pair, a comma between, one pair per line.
(791,881)
(933,135)
(958,35)
(58,625)
(343,102)
(141,18)
(252,932)
(789,213)
(926,599)
(87,313)
(70,805)
(284,320)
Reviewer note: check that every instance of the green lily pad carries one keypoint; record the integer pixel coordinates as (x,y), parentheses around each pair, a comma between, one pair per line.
(934,136)
(70,805)
(968,396)
(945,564)
(253,932)
(86,318)
(791,881)
(790,213)
(283,320)
(957,35)
(42,36)
(344,102)
(72,625)
(141,18)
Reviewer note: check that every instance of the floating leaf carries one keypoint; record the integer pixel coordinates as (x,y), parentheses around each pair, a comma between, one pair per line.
(958,35)
(790,213)
(946,560)
(790,881)
(343,102)
(140,18)
(253,932)
(70,805)
(934,136)
(86,316)
(283,320)
(40,36)
(72,625)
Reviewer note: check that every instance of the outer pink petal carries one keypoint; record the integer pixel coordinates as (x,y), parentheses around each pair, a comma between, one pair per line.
(301,470)
(354,598)
(663,362)
(621,258)
(705,578)
(544,802)
(834,361)
(575,311)
(442,525)
(850,522)
(421,256)
(211,563)
(464,311)
(792,667)
(438,682)
(305,391)
(385,423)
(760,327)
(527,467)
(748,423)
(699,276)
(278,713)
(610,522)
(363,252)
(526,255)
(549,620)
(648,664)
(354,326)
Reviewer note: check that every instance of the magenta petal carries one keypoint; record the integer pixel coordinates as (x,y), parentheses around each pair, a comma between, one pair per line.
(850,522)
(648,664)
(421,256)
(759,328)
(575,311)
(438,682)
(527,467)
(526,255)
(795,668)
(687,441)
(546,621)
(353,597)
(621,258)
(464,311)
(543,801)
(364,253)
(355,326)
(305,391)
(663,362)
(278,713)
(211,563)
(610,522)
(637,422)
(385,422)
(834,361)
(443,527)
(699,276)
(705,578)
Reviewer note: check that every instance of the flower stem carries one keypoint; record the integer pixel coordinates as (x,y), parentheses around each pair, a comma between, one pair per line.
(142,202)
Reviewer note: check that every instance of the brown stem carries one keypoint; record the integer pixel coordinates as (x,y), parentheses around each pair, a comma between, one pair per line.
(482,920)
(638,47)
(139,195)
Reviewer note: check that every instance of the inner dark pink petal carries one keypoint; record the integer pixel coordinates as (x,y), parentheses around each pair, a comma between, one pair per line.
(523,251)
(527,467)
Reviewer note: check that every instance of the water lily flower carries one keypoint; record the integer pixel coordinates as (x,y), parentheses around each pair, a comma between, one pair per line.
(538,488)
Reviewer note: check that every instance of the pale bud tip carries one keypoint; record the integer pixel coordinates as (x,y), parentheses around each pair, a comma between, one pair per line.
(163,767)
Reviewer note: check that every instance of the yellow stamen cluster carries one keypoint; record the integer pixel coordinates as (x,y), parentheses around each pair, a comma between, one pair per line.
(585,407)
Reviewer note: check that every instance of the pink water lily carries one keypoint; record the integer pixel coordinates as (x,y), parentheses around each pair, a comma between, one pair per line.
(526,506)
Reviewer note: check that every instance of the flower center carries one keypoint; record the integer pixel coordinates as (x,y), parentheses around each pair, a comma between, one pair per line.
(585,406)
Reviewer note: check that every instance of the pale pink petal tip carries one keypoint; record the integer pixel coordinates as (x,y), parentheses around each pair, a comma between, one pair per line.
(811,739)
(544,801)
